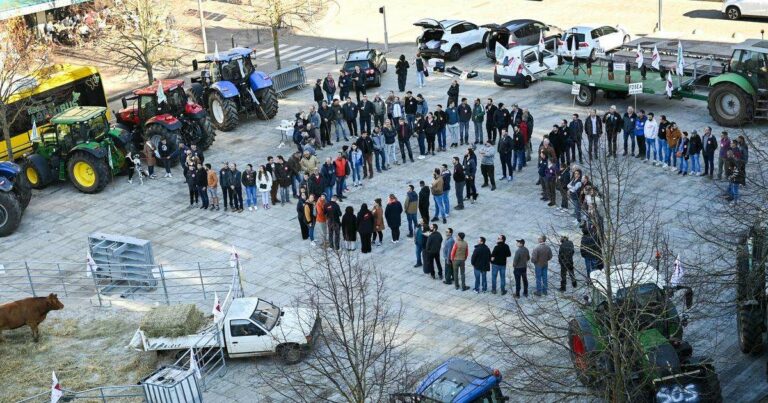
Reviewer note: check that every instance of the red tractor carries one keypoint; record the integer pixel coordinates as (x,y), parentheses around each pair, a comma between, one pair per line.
(174,117)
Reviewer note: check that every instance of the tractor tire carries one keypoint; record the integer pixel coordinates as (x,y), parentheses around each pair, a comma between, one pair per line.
(586,96)
(23,191)
(37,172)
(209,134)
(10,213)
(267,104)
(88,173)
(223,112)
(585,362)
(749,322)
(195,93)
(156,132)
(730,106)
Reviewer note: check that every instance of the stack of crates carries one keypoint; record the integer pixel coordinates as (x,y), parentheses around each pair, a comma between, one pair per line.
(123,261)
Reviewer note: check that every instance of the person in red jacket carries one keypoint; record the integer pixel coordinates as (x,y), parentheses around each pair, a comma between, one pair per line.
(343,168)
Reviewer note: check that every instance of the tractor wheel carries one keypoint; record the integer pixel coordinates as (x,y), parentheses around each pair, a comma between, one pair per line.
(10,213)
(267,104)
(23,191)
(584,361)
(88,173)
(586,96)
(195,93)
(156,132)
(729,105)
(223,112)
(750,326)
(37,172)
(208,133)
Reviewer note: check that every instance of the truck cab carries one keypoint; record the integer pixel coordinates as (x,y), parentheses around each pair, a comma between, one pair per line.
(457,381)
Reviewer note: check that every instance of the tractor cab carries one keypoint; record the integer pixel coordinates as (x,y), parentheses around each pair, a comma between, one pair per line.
(235,66)
(146,105)
(750,59)
(77,126)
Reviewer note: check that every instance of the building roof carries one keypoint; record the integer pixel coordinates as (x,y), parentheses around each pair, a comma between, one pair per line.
(78,114)
(626,275)
(230,54)
(152,89)
(18,8)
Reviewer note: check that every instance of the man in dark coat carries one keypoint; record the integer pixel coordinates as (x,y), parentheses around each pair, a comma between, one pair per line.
(318,93)
(424,194)
(593,126)
(614,123)
(393,213)
(490,127)
(575,132)
(453,93)
(481,262)
(365,145)
(565,259)
(333,221)
(365,112)
(500,120)
(434,241)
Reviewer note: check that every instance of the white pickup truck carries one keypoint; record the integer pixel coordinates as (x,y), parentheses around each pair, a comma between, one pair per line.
(250,327)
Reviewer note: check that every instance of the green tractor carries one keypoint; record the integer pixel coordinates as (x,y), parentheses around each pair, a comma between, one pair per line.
(78,145)
(751,300)
(740,95)
(649,332)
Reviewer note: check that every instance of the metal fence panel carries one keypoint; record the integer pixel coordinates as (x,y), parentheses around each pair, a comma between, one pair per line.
(288,78)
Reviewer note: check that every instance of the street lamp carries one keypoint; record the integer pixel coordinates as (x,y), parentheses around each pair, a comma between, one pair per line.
(202,26)
(659,23)
(383,12)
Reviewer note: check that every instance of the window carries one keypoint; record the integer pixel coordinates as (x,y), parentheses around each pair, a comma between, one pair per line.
(596,33)
(266,314)
(147,106)
(469,27)
(242,327)
(458,29)
(529,57)
(608,30)
(537,27)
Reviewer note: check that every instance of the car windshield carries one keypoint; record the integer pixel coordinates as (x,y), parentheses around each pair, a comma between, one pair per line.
(266,314)
(349,65)
(444,389)
(641,295)
(235,69)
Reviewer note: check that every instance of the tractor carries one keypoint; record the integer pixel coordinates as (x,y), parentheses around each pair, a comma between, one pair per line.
(751,300)
(14,197)
(231,85)
(661,365)
(78,145)
(173,117)
(740,95)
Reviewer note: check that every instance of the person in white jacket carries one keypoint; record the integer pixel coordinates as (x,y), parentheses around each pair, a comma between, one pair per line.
(264,185)
(651,131)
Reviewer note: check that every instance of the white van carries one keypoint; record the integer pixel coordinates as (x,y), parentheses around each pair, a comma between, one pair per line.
(522,65)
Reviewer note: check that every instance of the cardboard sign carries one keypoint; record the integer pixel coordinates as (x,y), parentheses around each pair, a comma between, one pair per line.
(619,67)
(575,88)
(635,88)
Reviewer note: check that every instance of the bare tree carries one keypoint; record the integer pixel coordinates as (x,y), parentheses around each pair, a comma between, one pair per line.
(360,354)
(277,14)
(141,36)
(22,60)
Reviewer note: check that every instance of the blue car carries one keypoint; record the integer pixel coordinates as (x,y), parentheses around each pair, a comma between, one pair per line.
(231,85)
(15,194)
(457,381)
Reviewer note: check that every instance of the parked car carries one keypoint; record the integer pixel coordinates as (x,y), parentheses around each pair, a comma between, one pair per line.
(449,38)
(371,61)
(457,381)
(592,39)
(735,9)
(534,63)
(517,32)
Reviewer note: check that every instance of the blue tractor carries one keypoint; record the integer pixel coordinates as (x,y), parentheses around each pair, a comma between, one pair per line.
(230,85)
(456,381)
(15,194)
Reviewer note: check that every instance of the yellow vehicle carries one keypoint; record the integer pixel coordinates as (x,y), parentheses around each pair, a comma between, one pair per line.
(43,95)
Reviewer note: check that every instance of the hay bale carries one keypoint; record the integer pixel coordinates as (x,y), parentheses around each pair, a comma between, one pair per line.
(172,321)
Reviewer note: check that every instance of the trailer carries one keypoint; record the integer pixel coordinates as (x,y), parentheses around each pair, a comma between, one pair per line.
(735,87)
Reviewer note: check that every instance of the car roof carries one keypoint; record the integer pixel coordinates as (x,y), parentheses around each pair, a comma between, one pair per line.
(78,114)
(450,23)
(229,54)
(474,377)
(514,24)
(168,85)
(625,275)
(359,54)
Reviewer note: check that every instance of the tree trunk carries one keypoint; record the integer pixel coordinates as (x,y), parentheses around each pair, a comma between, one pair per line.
(8,146)
(276,45)
(150,73)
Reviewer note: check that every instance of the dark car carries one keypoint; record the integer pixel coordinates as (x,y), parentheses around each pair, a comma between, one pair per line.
(457,381)
(518,32)
(371,61)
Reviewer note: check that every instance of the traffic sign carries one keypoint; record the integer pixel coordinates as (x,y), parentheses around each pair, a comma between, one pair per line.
(575,88)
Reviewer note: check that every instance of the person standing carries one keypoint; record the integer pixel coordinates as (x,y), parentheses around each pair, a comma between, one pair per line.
(640,133)
(328,177)
(725,146)
(575,133)
(629,130)
(500,120)
(470,169)
(441,120)
(350,116)
(365,145)
(490,126)
(487,154)
(453,124)
(424,193)
(651,132)
(166,154)
(401,69)
(459,182)
(465,115)
(213,183)
(589,250)
(694,149)
(499,257)
(379,149)
(191,179)
(379,111)
(419,241)
(421,70)
(505,148)
(459,255)
(453,93)
(518,149)
(734,171)
(365,227)
(410,107)
(318,93)
(249,181)
(390,136)
(478,115)
(150,154)
(421,135)
(365,111)
(613,125)
(594,128)
(339,122)
(661,141)
(574,192)
(272,168)
(432,252)
(563,179)
(333,222)
(404,140)
(551,174)
(321,220)
(393,214)
(431,130)
(359,78)
(329,85)
(341,169)
(540,257)
(481,262)
(378,221)
(448,255)
(236,188)
(411,209)
(520,267)
(300,212)
(225,181)
(356,165)
(309,217)
(565,259)
(446,197)
(710,146)
(264,184)
(437,194)
(682,154)
(673,138)
(349,228)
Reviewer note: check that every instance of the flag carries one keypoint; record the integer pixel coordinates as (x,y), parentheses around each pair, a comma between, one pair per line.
(56,392)
(193,368)
(35,136)
(670,86)
(677,275)
(655,58)
(160,93)
(574,46)
(215,51)
(233,257)
(639,56)
(90,264)
(217,311)
(541,40)
(679,69)
(499,51)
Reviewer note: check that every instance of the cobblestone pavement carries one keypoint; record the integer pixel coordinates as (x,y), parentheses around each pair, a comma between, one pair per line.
(443,322)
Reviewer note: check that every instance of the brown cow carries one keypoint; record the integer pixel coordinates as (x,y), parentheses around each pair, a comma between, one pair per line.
(27,311)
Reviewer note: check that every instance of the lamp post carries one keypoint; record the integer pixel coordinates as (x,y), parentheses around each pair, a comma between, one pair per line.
(383,12)
(202,26)
(659,23)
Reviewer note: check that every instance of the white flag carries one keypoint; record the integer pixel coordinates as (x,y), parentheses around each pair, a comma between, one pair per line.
(670,86)
(56,392)
(679,69)
(240,64)
(193,368)
(541,40)
(677,275)
(34,136)
(90,264)
(160,93)
(639,56)
(655,58)
(574,45)
(215,51)
(234,258)
(499,50)
(218,314)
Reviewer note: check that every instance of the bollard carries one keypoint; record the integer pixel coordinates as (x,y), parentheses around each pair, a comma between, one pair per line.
(367,44)
(336,54)
(232,39)
(258,35)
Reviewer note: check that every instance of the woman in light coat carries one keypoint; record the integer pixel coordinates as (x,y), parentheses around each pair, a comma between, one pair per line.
(264,185)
